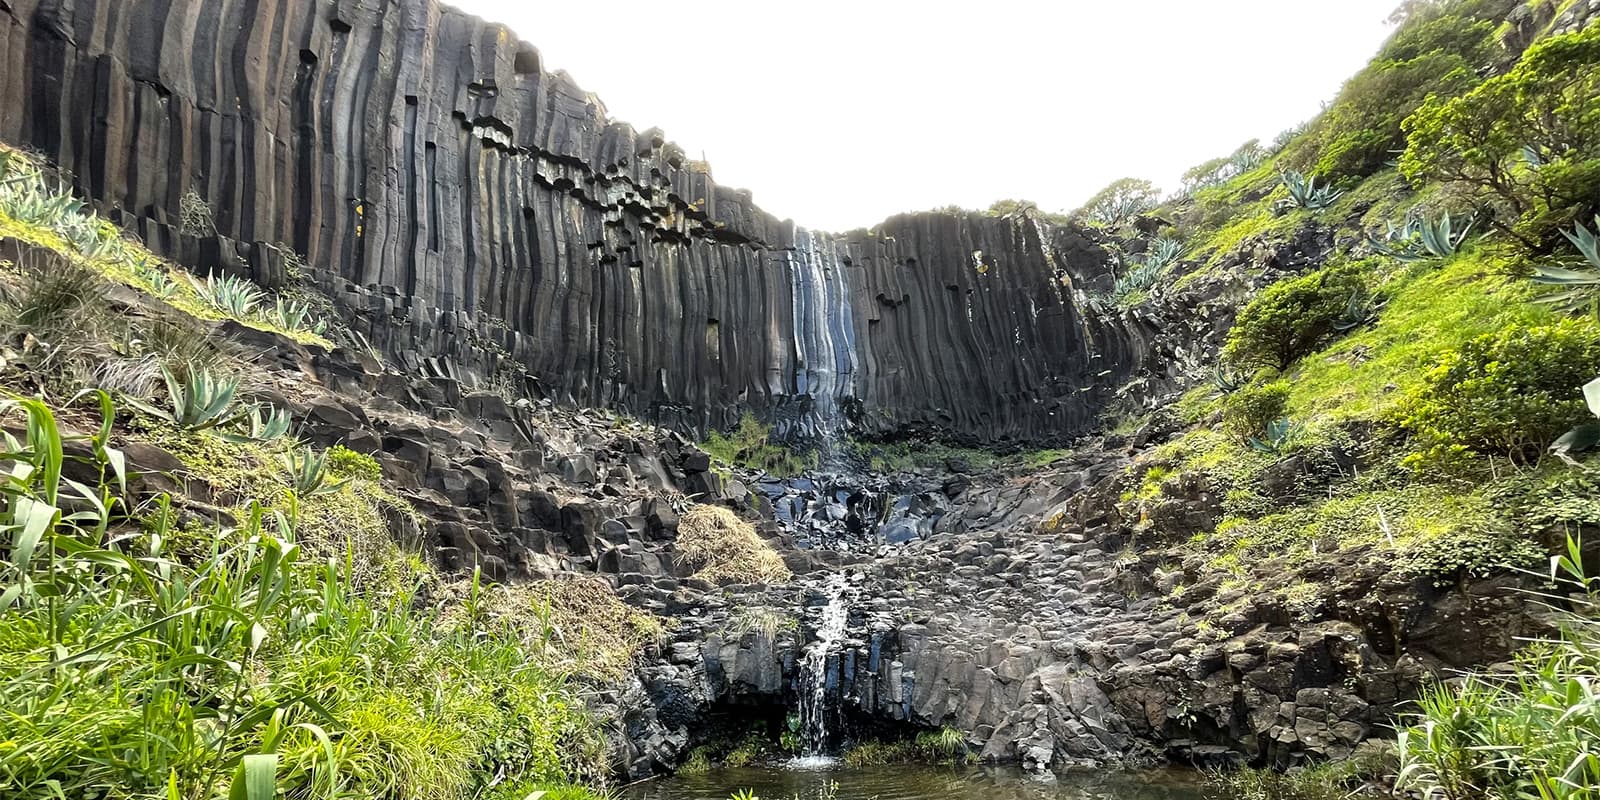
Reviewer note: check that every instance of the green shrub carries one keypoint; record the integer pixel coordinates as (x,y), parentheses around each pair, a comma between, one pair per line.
(1510,392)
(352,464)
(1247,412)
(1527,142)
(751,446)
(1291,318)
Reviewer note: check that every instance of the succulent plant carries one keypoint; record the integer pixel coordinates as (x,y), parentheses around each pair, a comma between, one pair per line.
(1304,192)
(1581,286)
(233,296)
(1421,239)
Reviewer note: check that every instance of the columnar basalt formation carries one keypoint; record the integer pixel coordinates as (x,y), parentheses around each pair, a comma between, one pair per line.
(466,205)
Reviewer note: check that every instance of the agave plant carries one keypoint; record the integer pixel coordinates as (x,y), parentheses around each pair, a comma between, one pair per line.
(1421,239)
(1274,438)
(262,423)
(1362,308)
(308,473)
(231,295)
(1580,287)
(1247,159)
(295,315)
(161,284)
(1229,380)
(1137,279)
(198,399)
(1163,251)
(91,240)
(1304,192)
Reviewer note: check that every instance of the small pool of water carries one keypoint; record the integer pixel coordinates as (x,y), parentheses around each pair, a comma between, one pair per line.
(922,782)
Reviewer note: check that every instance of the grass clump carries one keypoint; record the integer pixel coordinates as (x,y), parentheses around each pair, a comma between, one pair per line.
(942,746)
(573,625)
(726,549)
(750,446)
(1531,731)
(132,669)
(1358,776)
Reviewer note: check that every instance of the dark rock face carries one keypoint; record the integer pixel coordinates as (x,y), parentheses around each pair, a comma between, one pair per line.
(465,205)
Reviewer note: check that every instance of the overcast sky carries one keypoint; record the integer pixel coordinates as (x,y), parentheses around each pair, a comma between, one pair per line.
(839,113)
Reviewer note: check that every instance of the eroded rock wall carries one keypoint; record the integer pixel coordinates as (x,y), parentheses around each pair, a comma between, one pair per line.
(467,205)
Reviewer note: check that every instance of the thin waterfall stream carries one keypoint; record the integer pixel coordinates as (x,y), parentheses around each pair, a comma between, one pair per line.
(815,679)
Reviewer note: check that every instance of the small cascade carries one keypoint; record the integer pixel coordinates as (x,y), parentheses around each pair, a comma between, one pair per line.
(815,680)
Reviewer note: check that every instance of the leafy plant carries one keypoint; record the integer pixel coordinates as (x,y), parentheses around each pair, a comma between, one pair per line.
(1248,413)
(1274,438)
(308,473)
(231,295)
(263,423)
(198,399)
(1304,192)
(1585,435)
(1532,731)
(1291,318)
(1509,392)
(1229,380)
(295,315)
(1421,239)
(1581,286)
(1362,309)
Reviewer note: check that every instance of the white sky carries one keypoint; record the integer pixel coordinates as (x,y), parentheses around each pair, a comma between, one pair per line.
(839,113)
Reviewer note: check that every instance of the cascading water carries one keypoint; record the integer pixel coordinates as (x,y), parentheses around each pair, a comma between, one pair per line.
(815,680)
(824,334)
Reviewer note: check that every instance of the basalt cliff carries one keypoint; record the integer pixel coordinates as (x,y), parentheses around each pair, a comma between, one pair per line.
(473,210)
(545,320)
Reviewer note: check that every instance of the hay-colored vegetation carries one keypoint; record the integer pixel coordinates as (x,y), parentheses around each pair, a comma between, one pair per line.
(575,624)
(726,549)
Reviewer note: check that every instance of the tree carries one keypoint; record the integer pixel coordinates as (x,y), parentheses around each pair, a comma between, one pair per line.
(1528,140)
(1119,203)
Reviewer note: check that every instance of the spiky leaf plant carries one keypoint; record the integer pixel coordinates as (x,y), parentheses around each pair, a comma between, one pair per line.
(197,399)
(1580,287)
(231,295)
(1304,192)
(1420,239)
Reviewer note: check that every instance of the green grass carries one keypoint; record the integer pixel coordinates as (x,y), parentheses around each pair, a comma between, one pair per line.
(1433,307)
(1529,731)
(750,446)
(141,660)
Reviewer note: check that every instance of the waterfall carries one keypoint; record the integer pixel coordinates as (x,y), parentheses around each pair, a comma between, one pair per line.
(824,333)
(814,679)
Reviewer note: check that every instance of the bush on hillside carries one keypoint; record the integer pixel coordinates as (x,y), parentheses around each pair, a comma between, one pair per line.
(1290,318)
(1510,392)
(1247,412)
(1527,142)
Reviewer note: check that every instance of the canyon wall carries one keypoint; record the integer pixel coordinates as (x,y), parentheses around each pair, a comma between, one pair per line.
(476,214)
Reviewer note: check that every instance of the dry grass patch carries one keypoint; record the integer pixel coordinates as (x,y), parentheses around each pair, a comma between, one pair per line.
(726,549)
(575,624)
